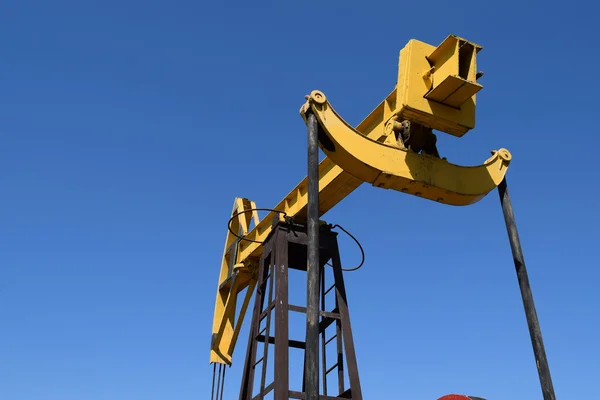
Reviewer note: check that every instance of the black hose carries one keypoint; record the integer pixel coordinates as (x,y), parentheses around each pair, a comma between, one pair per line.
(362,252)
(245,211)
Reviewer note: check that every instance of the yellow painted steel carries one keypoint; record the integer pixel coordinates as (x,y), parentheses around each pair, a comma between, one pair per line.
(391,167)
(436,88)
(233,278)
(334,185)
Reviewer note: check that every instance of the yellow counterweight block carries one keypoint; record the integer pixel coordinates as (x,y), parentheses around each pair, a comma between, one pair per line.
(437,85)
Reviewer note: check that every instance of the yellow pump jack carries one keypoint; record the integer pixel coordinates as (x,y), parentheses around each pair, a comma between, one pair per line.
(395,148)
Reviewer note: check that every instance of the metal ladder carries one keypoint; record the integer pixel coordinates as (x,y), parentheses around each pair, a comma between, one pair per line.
(285,248)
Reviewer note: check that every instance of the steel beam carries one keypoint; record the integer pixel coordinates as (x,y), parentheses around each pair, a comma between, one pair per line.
(311,374)
(532,319)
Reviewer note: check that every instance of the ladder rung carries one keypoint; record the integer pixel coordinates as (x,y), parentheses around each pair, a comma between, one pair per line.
(291,343)
(326,314)
(330,339)
(266,311)
(331,314)
(328,319)
(329,290)
(261,332)
(266,279)
(264,392)
(258,362)
(331,368)
(296,308)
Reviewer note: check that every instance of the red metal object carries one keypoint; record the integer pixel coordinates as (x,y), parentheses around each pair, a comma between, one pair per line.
(455,397)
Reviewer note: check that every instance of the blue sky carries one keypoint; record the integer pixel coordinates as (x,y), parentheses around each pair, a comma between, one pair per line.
(129,127)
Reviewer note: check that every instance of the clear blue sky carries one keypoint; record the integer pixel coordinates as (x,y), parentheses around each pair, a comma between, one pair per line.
(128,128)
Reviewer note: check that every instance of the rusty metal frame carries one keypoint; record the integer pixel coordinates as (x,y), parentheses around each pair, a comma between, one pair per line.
(285,248)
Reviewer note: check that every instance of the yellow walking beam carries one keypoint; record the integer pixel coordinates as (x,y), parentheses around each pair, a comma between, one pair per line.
(393,148)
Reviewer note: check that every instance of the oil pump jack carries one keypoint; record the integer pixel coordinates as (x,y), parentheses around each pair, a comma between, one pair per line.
(394,148)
